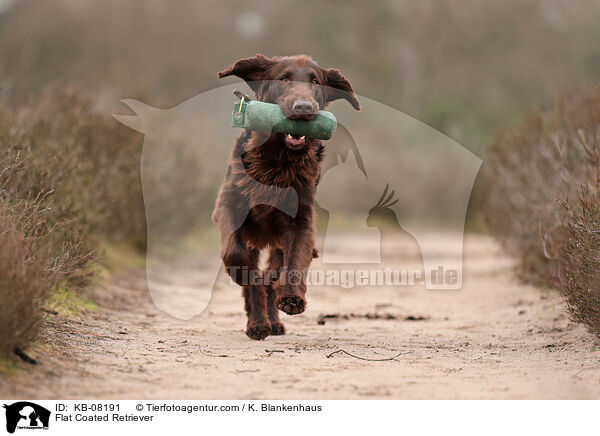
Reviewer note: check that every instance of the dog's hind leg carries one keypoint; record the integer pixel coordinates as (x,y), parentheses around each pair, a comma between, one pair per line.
(271,274)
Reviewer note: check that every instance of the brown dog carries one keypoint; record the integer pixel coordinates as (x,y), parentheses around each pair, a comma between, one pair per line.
(247,219)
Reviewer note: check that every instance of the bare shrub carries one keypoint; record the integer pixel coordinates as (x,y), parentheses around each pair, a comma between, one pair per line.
(544,202)
(69,180)
(92,159)
(27,278)
(579,273)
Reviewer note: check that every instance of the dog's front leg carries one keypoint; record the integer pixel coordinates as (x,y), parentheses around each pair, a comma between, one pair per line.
(241,264)
(255,300)
(297,255)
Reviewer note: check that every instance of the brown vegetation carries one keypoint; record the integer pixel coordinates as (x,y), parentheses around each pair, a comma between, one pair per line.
(580,258)
(69,179)
(544,202)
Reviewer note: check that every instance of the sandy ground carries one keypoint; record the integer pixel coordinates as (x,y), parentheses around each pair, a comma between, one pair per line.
(495,338)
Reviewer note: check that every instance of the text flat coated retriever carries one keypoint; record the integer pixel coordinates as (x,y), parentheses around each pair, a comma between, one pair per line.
(265,165)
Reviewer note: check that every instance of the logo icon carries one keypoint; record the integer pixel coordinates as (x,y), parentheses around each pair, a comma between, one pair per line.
(392,197)
(26,415)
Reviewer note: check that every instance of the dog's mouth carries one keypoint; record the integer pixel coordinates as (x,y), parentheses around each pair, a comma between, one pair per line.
(294,142)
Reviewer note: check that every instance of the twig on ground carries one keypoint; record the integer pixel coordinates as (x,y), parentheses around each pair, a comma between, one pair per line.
(24,357)
(321,319)
(274,351)
(364,358)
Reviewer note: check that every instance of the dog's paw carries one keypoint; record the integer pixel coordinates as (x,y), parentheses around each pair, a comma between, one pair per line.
(258,330)
(277,329)
(292,305)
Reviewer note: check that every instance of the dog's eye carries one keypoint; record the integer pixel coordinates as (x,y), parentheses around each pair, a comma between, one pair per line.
(284,80)
(315,82)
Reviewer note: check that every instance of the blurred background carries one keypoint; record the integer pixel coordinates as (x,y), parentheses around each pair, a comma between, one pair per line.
(467,68)
(70,173)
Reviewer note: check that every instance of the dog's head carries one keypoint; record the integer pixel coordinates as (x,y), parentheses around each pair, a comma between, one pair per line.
(296,83)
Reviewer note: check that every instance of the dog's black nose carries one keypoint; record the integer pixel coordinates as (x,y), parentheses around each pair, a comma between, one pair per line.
(303,107)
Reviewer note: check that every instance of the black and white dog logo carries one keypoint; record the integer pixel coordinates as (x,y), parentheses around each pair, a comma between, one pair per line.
(26,415)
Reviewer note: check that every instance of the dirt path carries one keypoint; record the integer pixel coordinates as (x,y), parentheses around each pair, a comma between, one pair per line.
(493,339)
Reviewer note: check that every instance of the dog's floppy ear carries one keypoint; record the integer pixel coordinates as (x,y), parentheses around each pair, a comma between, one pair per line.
(339,87)
(252,70)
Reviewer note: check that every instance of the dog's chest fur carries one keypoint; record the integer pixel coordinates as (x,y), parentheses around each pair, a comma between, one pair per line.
(273,164)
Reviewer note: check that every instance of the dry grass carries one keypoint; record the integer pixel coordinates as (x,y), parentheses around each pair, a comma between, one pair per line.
(544,204)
